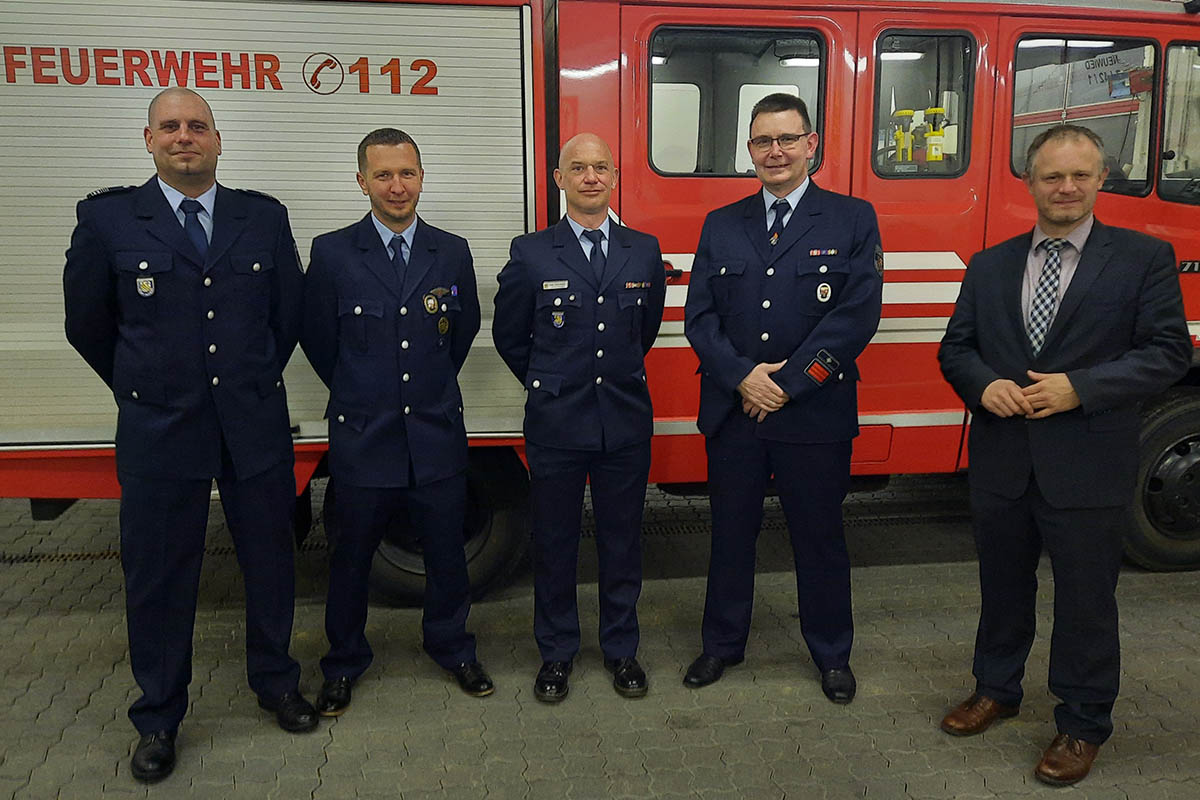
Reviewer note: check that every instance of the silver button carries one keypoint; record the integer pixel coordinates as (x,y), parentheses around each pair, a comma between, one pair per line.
(134,394)
(404,311)
(639,301)
(765,336)
(766,303)
(404,377)
(558,301)
(404,344)
(208,281)
(212,348)
(408,409)
(341,417)
(357,311)
(600,353)
(722,270)
(257,266)
(443,308)
(571,297)
(211,314)
(144,265)
(770,270)
(823,269)
(599,380)
(841,375)
(536,384)
(600,299)
(600,326)
(278,384)
(216,380)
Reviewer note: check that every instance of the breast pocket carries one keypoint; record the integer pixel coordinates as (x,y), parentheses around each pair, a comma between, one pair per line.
(559,317)
(819,285)
(143,277)
(728,283)
(632,303)
(253,273)
(444,320)
(359,323)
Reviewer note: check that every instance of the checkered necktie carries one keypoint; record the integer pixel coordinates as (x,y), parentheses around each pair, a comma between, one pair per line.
(781,207)
(1045,297)
(597,258)
(192,226)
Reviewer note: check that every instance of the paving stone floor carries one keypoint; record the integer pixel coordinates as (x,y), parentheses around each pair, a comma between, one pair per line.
(764,731)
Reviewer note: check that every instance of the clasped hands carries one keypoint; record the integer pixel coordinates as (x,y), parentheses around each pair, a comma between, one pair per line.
(760,394)
(1049,394)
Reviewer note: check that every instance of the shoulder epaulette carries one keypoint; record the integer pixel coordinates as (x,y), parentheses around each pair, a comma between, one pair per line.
(110,190)
(256,193)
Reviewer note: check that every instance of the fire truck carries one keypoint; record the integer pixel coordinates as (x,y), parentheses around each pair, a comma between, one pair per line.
(923,108)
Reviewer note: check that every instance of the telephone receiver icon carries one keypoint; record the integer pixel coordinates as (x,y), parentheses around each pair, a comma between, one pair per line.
(315,81)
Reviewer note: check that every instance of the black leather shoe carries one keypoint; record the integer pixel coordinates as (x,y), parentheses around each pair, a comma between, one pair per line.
(706,669)
(839,685)
(629,679)
(154,758)
(473,679)
(294,713)
(551,685)
(334,697)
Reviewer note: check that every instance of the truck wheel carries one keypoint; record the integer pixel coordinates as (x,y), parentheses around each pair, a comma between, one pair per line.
(497,536)
(1164,525)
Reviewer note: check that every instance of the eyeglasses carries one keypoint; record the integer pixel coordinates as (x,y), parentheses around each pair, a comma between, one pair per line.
(787,141)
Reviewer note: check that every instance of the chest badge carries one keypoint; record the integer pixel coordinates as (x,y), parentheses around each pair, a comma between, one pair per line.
(557,317)
(443,326)
(824,292)
(145,287)
(431,303)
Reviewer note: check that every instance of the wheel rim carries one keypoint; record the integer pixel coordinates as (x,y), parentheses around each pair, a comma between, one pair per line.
(405,552)
(1172,495)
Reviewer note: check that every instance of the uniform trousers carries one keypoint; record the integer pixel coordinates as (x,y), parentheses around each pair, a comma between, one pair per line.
(433,515)
(1085,547)
(557,479)
(163,524)
(812,480)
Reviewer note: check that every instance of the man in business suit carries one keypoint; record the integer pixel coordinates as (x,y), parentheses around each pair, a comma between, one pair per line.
(390,312)
(578,309)
(184,296)
(1057,336)
(785,293)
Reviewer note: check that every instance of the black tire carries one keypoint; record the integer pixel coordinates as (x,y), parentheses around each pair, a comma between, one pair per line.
(1164,519)
(497,535)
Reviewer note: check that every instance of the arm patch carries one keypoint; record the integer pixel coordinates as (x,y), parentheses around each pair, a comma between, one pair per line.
(821,367)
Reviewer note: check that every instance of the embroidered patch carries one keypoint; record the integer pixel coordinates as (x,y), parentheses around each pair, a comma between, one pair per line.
(557,318)
(145,287)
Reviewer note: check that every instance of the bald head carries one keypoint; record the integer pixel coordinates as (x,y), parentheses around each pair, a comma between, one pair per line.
(587,176)
(183,139)
(177,92)
(583,141)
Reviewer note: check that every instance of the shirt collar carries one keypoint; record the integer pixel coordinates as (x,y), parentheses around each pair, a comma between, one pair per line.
(579,229)
(1078,237)
(175,197)
(793,197)
(386,233)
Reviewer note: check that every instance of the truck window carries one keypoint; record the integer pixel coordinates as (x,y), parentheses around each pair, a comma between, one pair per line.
(923,104)
(705,81)
(1103,84)
(1180,179)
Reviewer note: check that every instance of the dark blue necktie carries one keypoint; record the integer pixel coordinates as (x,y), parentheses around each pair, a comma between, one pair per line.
(398,259)
(781,207)
(597,258)
(191,225)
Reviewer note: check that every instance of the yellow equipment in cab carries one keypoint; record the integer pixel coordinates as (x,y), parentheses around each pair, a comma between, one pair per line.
(902,134)
(935,135)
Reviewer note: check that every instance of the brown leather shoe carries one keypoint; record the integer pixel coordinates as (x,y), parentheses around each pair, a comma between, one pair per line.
(975,715)
(1067,760)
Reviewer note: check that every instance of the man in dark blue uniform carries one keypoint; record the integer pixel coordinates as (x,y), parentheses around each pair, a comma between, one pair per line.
(785,293)
(390,312)
(578,308)
(185,296)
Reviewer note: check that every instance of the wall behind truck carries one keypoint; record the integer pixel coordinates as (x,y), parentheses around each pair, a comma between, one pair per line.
(77,78)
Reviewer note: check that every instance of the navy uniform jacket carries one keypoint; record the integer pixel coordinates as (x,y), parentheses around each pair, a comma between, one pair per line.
(579,346)
(390,352)
(193,349)
(813,299)
(1120,335)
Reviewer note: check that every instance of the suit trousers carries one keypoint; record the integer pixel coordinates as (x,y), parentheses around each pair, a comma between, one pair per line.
(812,480)
(557,479)
(1085,547)
(434,516)
(163,525)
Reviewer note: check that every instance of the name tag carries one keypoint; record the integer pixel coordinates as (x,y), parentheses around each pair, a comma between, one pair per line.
(550,285)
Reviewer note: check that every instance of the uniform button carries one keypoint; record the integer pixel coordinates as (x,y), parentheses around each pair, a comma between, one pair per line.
(572,298)
(443,308)
(358,311)
(599,380)
(765,336)
(144,265)
(404,344)
(600,353)
(134,394)
(212,348)
(770,270)
(722,270)
(600,299)
(257,266)
(404,377)
(600,326)
(341,417)
(841,375)
(208,281)
(408,409)
(216,380)
(823,269)
(404,311)
(278,384)
(536,384)
(766,303)
(558,301)
(639,301)
(211,314)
